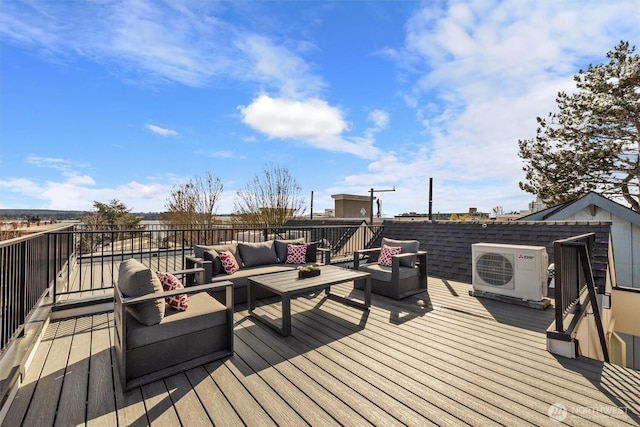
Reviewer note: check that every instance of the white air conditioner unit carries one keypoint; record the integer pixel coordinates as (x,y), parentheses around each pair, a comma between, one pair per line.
(516,271)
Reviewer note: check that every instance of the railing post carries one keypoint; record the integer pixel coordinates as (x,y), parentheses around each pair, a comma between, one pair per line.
(586,266)
(559,286)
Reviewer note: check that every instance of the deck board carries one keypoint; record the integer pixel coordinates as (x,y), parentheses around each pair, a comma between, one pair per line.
(212,399)
(188,406)
(74,388)
(47,392)
(101,399)
(22,401)
(437,358)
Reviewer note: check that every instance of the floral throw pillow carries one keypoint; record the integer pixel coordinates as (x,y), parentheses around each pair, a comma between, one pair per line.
(229,262)
(296,254)
(169,283)
(386,253)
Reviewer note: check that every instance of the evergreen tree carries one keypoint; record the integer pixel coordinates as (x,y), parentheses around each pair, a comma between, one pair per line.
(592,143)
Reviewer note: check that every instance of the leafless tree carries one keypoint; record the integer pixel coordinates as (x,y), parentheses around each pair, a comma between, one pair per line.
(195,203)
(269,199)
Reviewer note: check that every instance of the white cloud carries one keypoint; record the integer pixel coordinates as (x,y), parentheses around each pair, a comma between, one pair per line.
(53,163)
(482,73)
(79,192)
(379,118)
(312,121)
(283,118)
(81,180)
(280,67)
(154,42)
(160,130)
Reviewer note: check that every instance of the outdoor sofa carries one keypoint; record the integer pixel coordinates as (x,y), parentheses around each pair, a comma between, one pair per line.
(253,259)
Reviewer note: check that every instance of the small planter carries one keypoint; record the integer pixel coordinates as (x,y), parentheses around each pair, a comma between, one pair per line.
(307,274)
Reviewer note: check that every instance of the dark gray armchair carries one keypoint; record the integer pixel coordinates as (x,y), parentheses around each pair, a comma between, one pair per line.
(153,341)
(407,274)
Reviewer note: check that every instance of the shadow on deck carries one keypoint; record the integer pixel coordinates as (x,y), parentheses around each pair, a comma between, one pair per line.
(440,357)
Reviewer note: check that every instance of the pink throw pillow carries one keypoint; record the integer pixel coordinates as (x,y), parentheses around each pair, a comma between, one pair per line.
(296,254)
(169,283)
(229,262)
(386,253)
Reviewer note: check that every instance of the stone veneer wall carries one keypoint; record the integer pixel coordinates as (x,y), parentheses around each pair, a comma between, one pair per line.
(448,243)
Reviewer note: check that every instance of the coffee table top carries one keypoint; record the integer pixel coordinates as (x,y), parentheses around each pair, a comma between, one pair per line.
(288,281)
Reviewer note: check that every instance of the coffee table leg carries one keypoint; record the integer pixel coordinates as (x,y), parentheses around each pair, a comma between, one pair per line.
(251,297)
(286,315)
(367,292)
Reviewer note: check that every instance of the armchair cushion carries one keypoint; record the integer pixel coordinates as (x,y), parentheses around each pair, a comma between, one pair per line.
(408,246)
(204,312)
(281,247)
(383,273)
(134,280)
(260,253)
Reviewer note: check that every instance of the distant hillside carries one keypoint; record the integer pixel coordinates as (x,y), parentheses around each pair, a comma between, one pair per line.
(51,214)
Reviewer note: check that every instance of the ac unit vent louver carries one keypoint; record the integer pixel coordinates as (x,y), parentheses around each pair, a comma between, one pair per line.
(495,269)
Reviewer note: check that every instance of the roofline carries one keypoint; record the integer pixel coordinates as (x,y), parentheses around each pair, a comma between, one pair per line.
(589,199)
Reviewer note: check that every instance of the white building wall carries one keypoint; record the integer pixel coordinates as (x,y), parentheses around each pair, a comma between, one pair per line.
(626,244)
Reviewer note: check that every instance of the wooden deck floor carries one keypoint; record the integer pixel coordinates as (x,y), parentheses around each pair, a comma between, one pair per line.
(439,358)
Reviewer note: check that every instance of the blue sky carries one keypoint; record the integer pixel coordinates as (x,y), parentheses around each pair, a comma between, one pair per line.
(103,100)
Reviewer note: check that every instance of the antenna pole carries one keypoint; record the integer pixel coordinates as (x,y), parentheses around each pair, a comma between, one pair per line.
(371,202)
(430,198)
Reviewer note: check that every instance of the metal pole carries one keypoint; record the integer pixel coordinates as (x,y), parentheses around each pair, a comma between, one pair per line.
(430,198)
(371,203)
(311,204)
(371,209)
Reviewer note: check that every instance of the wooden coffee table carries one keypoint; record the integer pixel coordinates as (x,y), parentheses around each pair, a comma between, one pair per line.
(286,284)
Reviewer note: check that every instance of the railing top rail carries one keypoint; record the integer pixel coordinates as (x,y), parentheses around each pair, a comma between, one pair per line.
(214,227)
(575,238)
(64,228)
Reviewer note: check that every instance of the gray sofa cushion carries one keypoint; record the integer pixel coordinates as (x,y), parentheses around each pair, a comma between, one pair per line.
(241,277)
(383,274)
(260,253)
(408,246)
(204,312)
(281,247)
(312,252)
(216,265)
(199,250)
(134,280)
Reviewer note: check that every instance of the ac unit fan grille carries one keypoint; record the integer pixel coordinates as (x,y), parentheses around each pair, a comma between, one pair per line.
(494,269)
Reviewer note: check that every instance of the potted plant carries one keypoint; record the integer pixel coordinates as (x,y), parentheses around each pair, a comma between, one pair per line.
(308,271)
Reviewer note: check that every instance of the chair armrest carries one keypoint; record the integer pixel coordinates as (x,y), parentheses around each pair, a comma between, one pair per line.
(326,255)
(165,294)
(404,255)
(422,263)
(201,277)
(187,271)
(356,256)
(364,251)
